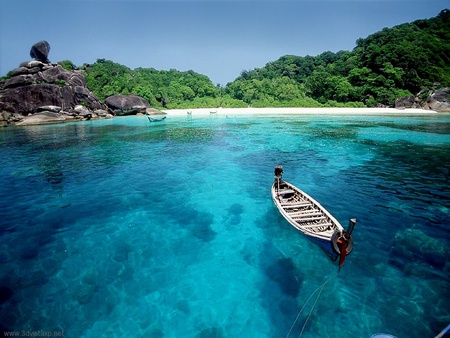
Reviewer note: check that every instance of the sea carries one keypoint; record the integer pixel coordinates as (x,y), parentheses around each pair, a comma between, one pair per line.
(125,228)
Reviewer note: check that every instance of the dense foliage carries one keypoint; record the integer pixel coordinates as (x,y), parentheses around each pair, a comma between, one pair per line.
(392,63)
(167,89)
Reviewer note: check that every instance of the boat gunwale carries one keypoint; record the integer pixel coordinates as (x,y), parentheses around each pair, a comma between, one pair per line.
(324,235)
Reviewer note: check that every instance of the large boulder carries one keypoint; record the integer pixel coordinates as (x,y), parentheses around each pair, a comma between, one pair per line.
(126,104)
(407,102)
(40,50)
(41,87)
(154,111)
(44,117)
(439,100)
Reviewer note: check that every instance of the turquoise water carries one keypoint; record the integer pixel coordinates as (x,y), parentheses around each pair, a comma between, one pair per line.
(129,229)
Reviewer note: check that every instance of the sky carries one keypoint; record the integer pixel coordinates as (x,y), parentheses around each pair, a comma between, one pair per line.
(216,38)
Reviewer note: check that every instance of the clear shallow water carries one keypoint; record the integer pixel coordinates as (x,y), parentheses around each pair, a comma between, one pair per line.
(122,228)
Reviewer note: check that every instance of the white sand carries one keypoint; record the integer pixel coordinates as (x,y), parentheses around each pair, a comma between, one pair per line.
(296,111)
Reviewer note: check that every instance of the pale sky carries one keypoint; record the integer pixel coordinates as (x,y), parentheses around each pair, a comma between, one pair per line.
(219,39)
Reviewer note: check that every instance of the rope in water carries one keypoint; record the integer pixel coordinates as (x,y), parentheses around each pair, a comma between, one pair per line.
(320,289)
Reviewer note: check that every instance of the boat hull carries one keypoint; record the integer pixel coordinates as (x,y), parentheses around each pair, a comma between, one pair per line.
(308,216)
(326,246)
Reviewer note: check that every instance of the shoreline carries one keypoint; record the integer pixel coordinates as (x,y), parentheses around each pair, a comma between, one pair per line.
(297,111)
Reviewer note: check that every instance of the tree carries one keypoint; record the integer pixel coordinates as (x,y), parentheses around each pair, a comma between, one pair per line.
(316,84)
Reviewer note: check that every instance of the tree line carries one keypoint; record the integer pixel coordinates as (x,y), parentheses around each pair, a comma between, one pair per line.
(394,62)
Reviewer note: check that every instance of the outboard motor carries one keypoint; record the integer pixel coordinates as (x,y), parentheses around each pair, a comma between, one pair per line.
(278,175)
(278,172)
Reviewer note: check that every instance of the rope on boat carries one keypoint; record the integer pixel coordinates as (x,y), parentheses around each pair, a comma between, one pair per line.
(320,289)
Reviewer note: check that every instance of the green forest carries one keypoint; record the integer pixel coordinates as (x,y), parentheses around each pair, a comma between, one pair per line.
(400,61)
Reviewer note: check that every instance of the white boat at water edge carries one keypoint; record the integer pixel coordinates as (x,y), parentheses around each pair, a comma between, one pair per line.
(312,219)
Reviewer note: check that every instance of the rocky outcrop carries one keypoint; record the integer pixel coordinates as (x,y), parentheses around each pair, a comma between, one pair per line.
(40,87)
(438,100)
(126,104)
(35,85)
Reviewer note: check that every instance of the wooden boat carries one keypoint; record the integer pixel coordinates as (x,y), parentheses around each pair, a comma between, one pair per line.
(156,118)
(312,219)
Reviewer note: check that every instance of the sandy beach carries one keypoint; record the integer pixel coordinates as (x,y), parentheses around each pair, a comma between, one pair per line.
(296,111)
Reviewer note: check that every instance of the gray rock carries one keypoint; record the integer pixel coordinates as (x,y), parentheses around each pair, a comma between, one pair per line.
(59,75)
(54,109)
(34,70)
(101,112)
(439,100)
(19,71)
(18,81)
(80,110)
(4,119)
(36,63)
(70,118)
(405,102)
(154,111)
(40,50)
(126,104)
(76,79)
(44,117)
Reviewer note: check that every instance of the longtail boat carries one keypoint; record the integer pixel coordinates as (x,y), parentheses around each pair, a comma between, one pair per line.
(312,219)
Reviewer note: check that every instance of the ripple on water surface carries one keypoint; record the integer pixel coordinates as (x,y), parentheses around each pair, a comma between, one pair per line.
(119,227)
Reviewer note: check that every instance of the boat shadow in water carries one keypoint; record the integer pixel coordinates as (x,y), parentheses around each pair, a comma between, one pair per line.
(280,289)
(156,118)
